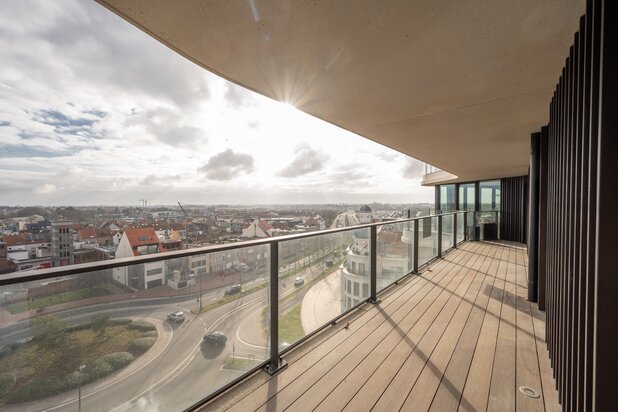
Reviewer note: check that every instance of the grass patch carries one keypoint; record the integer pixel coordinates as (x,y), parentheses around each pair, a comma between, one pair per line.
(45,367)
(290,327)
(228,299)
(240,364)
(64,297)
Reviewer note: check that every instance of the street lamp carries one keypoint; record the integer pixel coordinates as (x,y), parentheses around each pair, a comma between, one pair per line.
(199,298)
(79,388)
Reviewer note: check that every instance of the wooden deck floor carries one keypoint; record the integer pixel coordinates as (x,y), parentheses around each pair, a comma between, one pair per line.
(459,336)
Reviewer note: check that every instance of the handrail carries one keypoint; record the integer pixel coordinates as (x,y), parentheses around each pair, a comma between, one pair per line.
(41,274)
(275,362)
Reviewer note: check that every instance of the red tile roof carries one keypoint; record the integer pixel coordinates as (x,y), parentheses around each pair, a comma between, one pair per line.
(22,239)
(87,234)
(141,237)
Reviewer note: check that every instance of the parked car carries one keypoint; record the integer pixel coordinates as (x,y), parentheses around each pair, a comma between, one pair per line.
(233,289)
(176,316)
(299,282)
(216,338)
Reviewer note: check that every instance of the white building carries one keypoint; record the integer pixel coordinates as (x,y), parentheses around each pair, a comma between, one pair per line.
(137,242)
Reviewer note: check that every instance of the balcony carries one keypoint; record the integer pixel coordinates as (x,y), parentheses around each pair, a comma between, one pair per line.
(459,335)
(417,332)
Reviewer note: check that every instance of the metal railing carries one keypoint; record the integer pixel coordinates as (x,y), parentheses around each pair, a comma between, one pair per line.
(428,237)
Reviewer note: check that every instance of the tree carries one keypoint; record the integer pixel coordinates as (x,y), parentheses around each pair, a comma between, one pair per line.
(99,322)
(49,331)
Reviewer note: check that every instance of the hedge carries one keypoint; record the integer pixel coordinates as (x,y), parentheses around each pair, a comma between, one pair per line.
(73,380)
(120,321)
(78,327)
(142,325)
(37,388)
(117,360)
(98,369)
(151,334)
(141,345)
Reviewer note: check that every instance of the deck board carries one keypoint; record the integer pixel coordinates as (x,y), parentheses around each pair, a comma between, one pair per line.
(459,336)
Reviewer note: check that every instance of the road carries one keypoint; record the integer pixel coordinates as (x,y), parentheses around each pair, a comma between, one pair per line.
(186,369)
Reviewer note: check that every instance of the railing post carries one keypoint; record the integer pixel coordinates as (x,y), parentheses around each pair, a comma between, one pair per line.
(440,236)
(373,274)
(465,226)
(416,246)
(454,230)
(276,363)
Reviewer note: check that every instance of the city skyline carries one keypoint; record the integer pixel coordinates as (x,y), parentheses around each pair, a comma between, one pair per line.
(98,112)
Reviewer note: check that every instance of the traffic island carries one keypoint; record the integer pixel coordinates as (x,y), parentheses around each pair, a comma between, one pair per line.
(60,358)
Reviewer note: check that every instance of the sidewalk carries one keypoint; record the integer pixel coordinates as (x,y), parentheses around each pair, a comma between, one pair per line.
(322,302)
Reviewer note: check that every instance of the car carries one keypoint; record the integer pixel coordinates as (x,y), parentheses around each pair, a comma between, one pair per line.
(176,316)
(216,338)
(232,290)
(299,282)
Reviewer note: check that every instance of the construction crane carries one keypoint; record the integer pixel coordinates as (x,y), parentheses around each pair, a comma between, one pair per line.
(186,223)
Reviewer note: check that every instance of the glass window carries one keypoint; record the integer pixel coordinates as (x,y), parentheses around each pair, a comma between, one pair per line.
(490,195)
(447,198)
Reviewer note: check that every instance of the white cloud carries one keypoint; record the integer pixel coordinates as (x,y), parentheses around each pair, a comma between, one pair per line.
(46,189)
(94,111)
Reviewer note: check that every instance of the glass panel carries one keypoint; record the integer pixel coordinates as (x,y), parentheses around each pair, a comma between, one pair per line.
(467,202)
(447,198)
(460,227)
(490,195)
(447,232)
(319,278)
(395,253)
(134,337)
(428,240)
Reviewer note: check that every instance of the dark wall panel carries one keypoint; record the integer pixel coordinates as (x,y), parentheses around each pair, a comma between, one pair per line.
(514,209)
(580,223)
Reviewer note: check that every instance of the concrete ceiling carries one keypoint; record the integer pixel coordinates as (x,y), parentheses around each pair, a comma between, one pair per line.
(457,84)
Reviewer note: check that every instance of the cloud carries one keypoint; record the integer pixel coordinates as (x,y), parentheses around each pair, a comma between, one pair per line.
(227,165)
(166,126)
(413,169)
(46,189)
(237,96)
(306,160)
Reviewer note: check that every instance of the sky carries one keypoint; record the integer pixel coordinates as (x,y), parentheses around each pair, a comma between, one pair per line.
(95,112)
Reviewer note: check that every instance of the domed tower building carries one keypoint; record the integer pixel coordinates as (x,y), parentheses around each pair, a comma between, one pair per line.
(392,263)
(364,215)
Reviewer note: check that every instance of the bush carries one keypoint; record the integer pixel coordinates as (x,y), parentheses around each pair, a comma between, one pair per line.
(7,380)
(14,346)
(151,334)
(37,388)
(118,360)
(5,351)
(78,327)
(141,345)
(120,321)
(98,369)
(73,380)
(142,325)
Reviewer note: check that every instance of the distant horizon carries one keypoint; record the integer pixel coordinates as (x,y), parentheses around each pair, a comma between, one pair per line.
(216,204)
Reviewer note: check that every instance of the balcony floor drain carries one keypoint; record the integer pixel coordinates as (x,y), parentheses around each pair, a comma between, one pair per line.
(529,392)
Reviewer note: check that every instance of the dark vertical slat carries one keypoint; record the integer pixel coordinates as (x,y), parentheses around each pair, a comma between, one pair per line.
(542,223)
(594,17)
(533,221)
(606,288)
